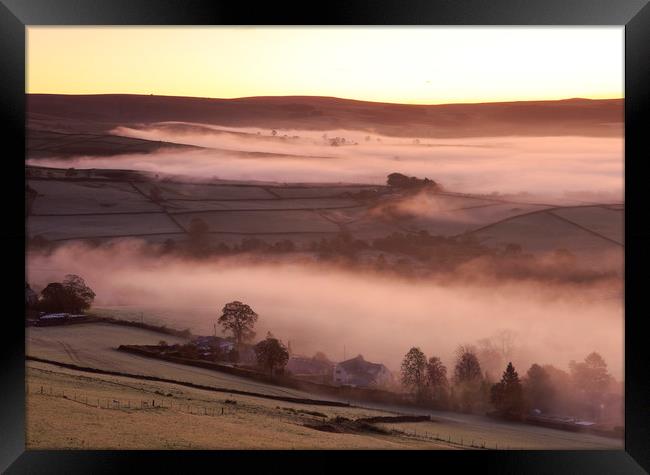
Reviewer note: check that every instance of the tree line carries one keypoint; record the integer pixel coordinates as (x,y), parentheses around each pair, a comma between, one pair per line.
(72,295)
(543,389)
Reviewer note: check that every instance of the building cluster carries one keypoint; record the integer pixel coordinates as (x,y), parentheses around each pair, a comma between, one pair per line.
(354,372)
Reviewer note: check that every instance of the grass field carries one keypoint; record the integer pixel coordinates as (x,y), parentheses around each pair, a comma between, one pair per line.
(88,226)
(176,206)
(191,418)
(61,197)
(262,222)
(543,232)
(607,222)
(206,192)
(94,345)
(95,207)
(252,423)
(187,418)
(319,191)
(460,220)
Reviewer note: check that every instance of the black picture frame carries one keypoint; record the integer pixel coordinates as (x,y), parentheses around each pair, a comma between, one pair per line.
(15,15)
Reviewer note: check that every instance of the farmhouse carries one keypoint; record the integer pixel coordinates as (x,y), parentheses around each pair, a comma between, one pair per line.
(59,319)
(309,368)
(210,343)
(306,365)
(361,373)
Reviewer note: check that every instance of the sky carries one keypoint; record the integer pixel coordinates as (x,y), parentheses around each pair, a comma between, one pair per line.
(423,65)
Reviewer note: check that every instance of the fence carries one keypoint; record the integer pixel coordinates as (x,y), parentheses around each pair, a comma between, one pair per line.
(226,408)
(458,441)
(133,404)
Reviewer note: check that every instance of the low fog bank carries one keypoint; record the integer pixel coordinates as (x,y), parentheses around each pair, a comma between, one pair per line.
(324,308)
(564,167)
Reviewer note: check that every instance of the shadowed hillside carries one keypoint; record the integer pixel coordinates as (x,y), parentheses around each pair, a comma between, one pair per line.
(539,118)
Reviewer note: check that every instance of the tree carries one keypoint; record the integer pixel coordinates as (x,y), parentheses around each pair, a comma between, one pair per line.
(507,394)
(413,372)
(198,232)
(155,194)
(564,257)
(239,319)
(592,379)
(490,358)
(399,180)
(591,376)
(70,296)
(437,380)
(467,377)
(198,228)
(271,354)
(538,388)
(512,249)
(83,295)
(468,368)
(564,394)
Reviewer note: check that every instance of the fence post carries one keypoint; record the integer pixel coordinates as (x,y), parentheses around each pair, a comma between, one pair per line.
(41,389)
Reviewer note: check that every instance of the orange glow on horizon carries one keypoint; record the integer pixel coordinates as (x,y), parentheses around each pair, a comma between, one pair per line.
(423,65)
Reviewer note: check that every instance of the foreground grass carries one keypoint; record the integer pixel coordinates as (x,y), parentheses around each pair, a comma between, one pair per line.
(54,422)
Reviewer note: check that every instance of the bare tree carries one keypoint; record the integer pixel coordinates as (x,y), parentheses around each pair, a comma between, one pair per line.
(413,372)
(437,379)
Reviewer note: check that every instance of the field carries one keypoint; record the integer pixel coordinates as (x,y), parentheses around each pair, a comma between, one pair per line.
(183,417)
(261,222)
(94,345)
(600,220)
(185,206)
(104,204)
(54,422)
(60,197)
(89,226)
(544,232)
(305,170)
(206,192)
(45,143)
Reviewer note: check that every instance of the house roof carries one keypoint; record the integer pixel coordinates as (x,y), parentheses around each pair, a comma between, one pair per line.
(53,315)
(210,340)
(359,367)
(302,364)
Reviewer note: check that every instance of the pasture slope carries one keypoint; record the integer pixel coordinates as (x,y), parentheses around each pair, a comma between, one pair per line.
(100,208)
(186,417)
